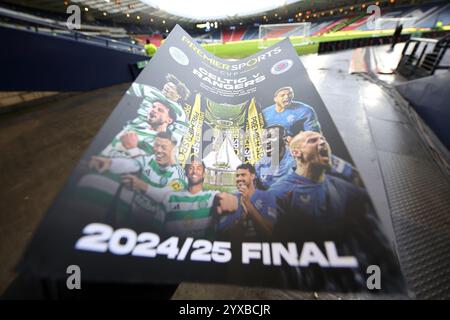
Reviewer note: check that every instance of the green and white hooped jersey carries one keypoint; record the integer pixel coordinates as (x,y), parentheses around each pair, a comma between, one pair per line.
(161,180)
(150,94)
(146,137)
(186,214)
(103,190)
(156,176)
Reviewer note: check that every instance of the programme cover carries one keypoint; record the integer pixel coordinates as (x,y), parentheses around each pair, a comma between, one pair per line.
(217,171)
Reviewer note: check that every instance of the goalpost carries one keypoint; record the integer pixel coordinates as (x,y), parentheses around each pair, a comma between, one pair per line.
(270,34)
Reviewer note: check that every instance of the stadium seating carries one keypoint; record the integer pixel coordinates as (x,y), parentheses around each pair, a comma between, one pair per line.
(93,57)
(238,33)
(416,15)
(423,16)
(330,26)
(317,26)
(235,34)
(251,33)
(442,14)
(155,38)
(280,32)
(356,23)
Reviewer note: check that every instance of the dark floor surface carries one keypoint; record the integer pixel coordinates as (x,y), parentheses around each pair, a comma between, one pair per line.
(39,148)
(41,145)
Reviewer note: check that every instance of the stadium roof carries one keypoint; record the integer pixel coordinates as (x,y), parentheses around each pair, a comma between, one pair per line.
(201,10)
(164,14)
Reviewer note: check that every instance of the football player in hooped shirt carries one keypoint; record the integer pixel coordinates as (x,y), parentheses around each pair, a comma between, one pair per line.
(149,177)
(194,212)
(133,141)
(314,206)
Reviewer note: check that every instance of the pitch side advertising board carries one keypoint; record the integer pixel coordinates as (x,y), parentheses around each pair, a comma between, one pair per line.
(217,171)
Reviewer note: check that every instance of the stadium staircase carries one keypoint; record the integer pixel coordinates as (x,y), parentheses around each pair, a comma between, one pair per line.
(423,64)
(330,26)
(238,33)
(362,19)
(346,23)
(250,34)
(317,26)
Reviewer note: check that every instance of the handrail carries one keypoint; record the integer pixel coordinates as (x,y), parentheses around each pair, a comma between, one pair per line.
(49,22)
(424,40)
(425,63)
(59,28)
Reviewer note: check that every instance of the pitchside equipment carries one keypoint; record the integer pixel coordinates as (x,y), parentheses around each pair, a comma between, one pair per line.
(269,34)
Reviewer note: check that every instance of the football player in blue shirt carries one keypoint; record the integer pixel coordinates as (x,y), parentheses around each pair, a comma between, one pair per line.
(256,212)
(314,206)
(275,165)
(278,161)
(294,116)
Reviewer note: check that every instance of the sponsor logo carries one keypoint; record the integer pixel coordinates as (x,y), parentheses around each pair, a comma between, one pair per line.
(176,185)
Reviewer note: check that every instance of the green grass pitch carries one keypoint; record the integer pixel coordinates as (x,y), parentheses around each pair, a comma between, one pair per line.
(242,49)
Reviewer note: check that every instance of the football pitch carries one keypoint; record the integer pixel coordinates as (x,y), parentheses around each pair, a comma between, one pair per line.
(245,48)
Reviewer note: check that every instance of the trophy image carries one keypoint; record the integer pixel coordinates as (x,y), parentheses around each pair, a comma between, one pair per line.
(226,124)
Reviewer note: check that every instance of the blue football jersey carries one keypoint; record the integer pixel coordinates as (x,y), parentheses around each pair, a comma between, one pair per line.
(295,118)
(263,202)
(268,175)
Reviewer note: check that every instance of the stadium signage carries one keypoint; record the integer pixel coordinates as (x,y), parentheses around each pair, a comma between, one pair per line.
(229,84)
(230,67)
(202,177)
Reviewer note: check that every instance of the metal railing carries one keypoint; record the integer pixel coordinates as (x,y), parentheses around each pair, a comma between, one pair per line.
(40,25)
(418,61)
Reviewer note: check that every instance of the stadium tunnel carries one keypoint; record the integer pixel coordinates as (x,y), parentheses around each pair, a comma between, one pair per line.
(388,96)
